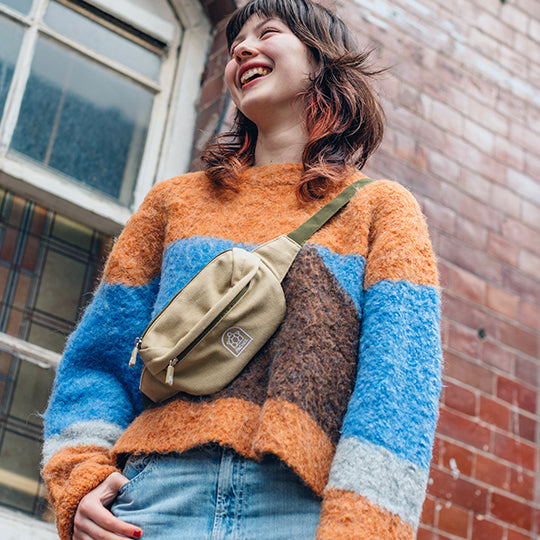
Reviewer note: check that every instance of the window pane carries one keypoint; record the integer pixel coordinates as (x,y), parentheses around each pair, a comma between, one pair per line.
(11,35)
(83,120)
(102,40)
(20,5)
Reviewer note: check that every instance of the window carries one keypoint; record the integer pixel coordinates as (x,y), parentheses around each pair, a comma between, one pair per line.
(97,101)
(87,93)
(49,265)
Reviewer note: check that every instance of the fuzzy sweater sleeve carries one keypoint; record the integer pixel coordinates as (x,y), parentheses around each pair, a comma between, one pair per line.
(95,395)
(380,470)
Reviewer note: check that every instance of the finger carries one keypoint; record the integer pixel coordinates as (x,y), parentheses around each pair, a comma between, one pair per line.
(108,490)
(104,519)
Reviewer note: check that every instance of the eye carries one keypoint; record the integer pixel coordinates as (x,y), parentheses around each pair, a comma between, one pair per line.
(268,30)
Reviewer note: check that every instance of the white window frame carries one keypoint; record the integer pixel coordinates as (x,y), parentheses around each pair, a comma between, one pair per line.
(171,129)
(167,153)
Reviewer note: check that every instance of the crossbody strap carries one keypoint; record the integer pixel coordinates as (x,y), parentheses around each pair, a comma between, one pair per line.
(301,234)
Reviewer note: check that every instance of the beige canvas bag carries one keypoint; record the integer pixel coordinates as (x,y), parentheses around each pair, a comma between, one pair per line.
(212,328)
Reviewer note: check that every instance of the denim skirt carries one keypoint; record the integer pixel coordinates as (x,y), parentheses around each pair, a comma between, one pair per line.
(213,493)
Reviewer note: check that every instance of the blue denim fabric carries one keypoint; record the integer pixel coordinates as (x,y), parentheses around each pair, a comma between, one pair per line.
(212,493)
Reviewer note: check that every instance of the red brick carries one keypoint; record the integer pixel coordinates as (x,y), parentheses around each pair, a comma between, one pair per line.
(463,340)
(529,315)
(496,356)
(495,413)
(428,511)
(526,428)
(503,249)
(517,394)
(530,214)
(463,429)
(515,281)
(473,260)
(454,455)
(523,236)
(502,301)
(522,484)
(454,520)
(445,272)
(472,315)
(520,453)
(509,153)
(426,534)
(460,399)
(439,216)
(491,472)
(467,285)
(527,370)
(460,491)
(484,529)
(516,535)
(472,374)
(505,200)
(529,263)
(520,339)
(470,207)
(511,511)
(524,185)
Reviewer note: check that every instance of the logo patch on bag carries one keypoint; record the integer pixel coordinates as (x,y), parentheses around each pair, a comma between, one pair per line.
(236,340)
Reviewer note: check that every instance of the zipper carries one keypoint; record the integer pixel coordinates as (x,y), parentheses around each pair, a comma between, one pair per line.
(169,377)
(133,358)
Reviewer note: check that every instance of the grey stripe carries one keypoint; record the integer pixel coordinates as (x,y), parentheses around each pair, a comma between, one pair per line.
(376,473)
(95,432)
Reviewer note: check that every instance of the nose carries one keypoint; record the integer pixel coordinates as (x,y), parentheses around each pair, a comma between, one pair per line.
(243,50)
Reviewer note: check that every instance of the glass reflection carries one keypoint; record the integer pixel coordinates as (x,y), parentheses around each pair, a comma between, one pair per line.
(98,38)
(23,6)
(11,35)
(83,120)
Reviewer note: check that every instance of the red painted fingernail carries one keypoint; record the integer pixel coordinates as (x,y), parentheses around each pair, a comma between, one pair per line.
(137,533)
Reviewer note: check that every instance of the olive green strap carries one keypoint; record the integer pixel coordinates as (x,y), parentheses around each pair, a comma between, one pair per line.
(301,234)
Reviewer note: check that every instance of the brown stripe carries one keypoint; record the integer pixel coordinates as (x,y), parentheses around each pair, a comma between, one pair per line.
(288,432)
(347,515)
(311,359)
(315,352)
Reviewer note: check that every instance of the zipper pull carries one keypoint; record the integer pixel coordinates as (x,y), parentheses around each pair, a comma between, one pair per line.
(169,378)
(133,358)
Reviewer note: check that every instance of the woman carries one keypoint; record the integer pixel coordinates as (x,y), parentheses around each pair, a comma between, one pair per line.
(328,430)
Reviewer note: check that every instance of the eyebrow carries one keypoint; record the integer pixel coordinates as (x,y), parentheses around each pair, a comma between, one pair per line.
(258,26)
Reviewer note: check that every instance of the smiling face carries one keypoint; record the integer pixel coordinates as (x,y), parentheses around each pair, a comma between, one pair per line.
(269,67)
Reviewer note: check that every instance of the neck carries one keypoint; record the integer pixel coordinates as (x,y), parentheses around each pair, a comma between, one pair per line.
(280,144)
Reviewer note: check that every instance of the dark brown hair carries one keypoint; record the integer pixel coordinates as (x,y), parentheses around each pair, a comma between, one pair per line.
(343,119)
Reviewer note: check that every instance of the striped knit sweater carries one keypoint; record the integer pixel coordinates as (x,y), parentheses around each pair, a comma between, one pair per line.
(345,392)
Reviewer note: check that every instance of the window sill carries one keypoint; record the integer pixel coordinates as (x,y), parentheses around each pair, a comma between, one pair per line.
(62,195)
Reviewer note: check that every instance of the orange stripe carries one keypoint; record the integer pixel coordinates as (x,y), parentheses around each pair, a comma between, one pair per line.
(383,223)
(292,434)
(69,475)
(347,515)
(179,425)
(280,428)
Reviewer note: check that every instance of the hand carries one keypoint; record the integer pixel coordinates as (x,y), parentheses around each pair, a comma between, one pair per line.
(93,521)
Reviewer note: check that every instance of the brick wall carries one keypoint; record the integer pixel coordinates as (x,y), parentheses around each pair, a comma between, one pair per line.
(462,101)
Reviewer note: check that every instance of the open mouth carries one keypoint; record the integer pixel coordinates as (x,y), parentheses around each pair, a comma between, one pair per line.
(254,73)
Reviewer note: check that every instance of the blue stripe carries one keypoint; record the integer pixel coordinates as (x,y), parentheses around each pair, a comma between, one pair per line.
(186,257)
(348,270)
(183,259)
(395,401)
(93,380)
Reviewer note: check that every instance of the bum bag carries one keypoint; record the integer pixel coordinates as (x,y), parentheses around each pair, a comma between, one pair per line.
(205,336)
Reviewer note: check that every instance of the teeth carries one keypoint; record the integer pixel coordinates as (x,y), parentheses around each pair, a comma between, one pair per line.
(250,73)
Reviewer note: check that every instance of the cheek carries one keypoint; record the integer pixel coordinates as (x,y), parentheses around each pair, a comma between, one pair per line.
(230,74)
